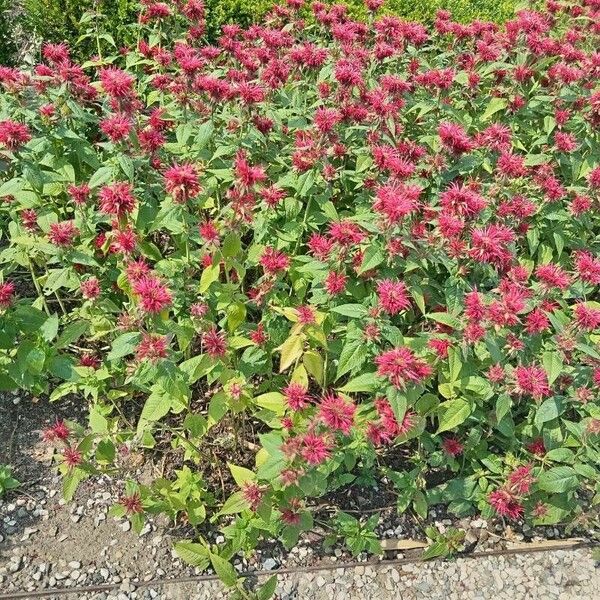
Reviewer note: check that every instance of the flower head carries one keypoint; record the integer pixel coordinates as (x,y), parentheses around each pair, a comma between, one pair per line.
(401,366)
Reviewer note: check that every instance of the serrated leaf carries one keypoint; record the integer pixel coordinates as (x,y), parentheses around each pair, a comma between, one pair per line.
(558,480)
(452,414)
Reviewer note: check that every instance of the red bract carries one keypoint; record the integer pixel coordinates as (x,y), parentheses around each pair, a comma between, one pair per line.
(337,413)
(401,367)
(13,135)
(181,181)
(116,82)
(117,199)
(7,290)
(154,297)
(392,296)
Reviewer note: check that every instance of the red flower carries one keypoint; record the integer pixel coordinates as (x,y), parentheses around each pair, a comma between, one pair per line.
(132,504)
(214,343)
(397,200)
(116,82)
(58,431)
(587,318)
(259,335)
(154,296)
(296,396)
(452,446)
(90,289)
(392,296)
(455,138)
(152,348)
(209,232)
(337,413)
(532,381)
(520,480)
(252,494)
(505,504)
(537,447)
(401,366)
(13,135)
(316,449)
(117,199)
(79,193)
(116,127)
(553,276)
(273,260)
(62,234)
(335,283)
(72,457)
(7,290)
(182,183)
(306,315)
(247,174)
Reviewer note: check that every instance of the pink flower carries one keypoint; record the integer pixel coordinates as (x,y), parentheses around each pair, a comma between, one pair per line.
(397,200)
(553,276)
(401,366)
(520,480)
(489,244)
(316,449)
(181,182)
(296,396)
(116,127)
(116,82)
(505,504)
(136,269)
(152,348)
(7,290)
(132,504)
(90,289)
(62,234)
(72,457)
(154,296)
(593,177)
(247,174)
(58,431)
(455,138)
(252,494)
(335,283)
(273,260)
(537,447)
(117,199)
(337,413)
(326,119)
(306,315)
(13,135)
(587,318)
(587,267)
(214,343)
(79,193)
(452,446)
(209,232)
(532,381)
(392,296)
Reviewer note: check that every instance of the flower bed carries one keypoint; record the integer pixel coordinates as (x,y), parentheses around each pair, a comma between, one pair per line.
(329,256)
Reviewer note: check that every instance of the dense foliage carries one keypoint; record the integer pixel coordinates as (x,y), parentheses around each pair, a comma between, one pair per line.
(71,21)
(330,255)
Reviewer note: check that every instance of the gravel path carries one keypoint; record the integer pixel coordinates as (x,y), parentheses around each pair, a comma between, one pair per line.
(47,544)
(554,575)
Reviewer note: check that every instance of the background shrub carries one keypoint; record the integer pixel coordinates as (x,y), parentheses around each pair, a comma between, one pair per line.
(7,44)
(60,20)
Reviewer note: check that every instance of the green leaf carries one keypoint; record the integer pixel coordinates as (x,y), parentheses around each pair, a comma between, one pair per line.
(548,410)
(553,365)
(350,310)
(494,105)
(241,475)
(452,414)
(558,480)
(231,245)
(193,554)
(353,355)
(208,277)
(444,319)
(158,404)
(224,569)
(50,328)
(373,257)
(367,382)
(290,350)
(313,362)
(267,590)
(125,344)
(273,401)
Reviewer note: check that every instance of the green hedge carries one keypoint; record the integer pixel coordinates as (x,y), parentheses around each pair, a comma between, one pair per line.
(59,20)
(7,44)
